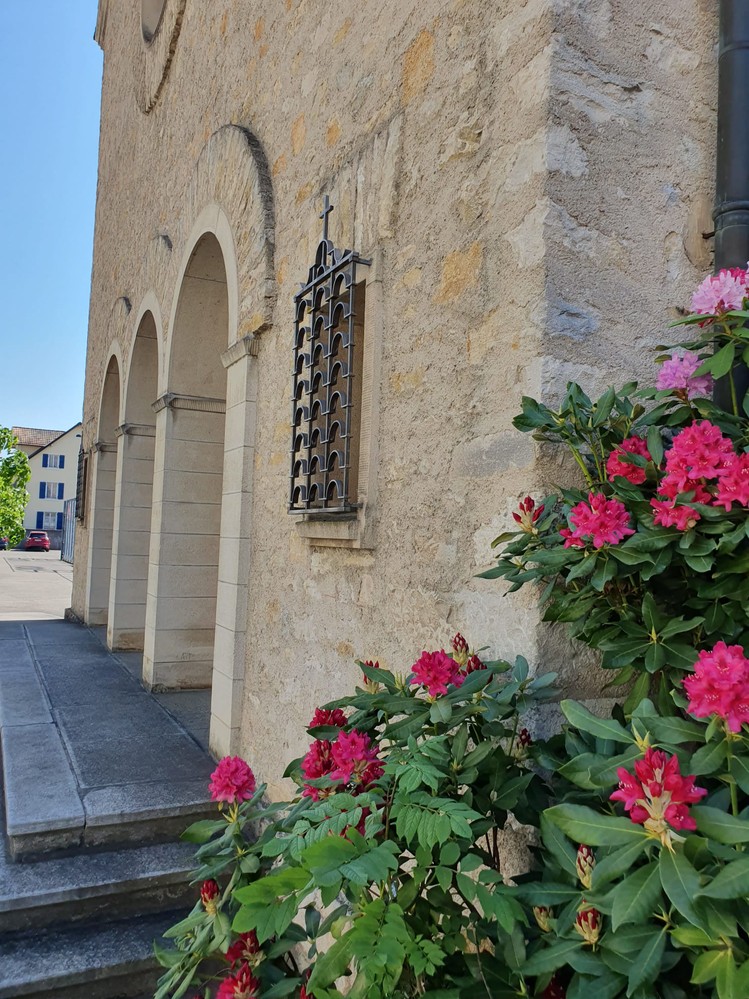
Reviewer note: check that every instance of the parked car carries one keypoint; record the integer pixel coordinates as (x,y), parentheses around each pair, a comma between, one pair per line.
(3,544)
(37,541)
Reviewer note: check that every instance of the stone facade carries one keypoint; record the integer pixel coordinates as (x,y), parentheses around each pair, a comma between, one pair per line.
(531,181)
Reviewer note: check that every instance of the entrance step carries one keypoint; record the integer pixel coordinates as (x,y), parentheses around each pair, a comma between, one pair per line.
(100,886)
(113,961)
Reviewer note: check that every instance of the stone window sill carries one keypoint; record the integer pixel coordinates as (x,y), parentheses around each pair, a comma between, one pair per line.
(345,531)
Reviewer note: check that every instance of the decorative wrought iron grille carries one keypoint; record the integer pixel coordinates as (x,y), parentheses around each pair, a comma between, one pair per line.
(328,329)
(80,485)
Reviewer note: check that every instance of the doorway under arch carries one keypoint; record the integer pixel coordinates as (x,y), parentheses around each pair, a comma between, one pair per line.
(188,478)
(133,497)
(103,490)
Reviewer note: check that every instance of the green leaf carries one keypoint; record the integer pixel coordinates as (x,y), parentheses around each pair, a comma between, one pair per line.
(635,897)
(681,883)
(731,882)
(655,444)
(602,728)
(648,963)
(708,759)
(584,825)
(720,826)
(617,863)
(706,967)
(559,846)
(202,831)
(740,772)
(550,958)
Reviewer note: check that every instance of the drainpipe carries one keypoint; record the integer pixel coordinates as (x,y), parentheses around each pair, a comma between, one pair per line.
(731,213)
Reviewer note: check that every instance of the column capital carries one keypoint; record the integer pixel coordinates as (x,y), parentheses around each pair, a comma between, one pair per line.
(246,347)
(100,446)
(135,430)
(197,403)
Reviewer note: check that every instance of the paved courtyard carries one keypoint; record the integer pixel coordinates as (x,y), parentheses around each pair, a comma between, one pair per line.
(34,586)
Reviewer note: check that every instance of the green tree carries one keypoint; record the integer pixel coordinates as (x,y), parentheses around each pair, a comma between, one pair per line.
(14,474)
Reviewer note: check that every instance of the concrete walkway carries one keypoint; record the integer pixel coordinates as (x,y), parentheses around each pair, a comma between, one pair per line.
(34,586)
(89,757)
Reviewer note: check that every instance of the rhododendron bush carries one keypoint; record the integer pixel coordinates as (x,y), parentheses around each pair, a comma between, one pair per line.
(385,866)
(648,560)
(386,875)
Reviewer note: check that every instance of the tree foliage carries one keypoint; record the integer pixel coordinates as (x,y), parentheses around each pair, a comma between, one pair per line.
(14,474)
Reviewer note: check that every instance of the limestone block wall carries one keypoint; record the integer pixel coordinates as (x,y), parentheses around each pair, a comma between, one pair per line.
(530,181)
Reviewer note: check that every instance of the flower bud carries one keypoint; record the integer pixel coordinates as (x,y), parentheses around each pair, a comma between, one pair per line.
(588,925)
(527,515)
(543,914)
(209,893)
(473,664)
(460,649)
(371,686)
(586,861)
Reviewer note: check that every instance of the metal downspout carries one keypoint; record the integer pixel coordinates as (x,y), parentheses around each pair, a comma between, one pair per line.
(731,213)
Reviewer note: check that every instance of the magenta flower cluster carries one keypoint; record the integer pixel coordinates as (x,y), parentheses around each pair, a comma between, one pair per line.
(720,686)
(600,521)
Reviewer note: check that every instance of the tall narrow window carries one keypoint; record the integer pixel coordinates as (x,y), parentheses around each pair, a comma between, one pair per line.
(327,377)
(80,485)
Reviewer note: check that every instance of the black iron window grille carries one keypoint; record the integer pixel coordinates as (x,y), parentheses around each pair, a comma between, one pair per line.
(327,374)
(80,485)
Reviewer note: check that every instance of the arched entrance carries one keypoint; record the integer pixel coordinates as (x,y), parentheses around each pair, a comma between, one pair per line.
(103,490)
(133,495)
(188,476)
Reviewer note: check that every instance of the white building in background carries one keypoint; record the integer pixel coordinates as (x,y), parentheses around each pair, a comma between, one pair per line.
(54,469)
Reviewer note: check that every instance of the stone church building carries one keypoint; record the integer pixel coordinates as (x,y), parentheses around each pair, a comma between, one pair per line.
(334,246)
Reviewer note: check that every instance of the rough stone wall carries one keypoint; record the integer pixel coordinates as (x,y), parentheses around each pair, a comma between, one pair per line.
(531,176)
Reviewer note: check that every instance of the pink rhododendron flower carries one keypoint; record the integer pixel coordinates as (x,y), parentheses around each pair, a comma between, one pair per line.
(602,521)
(699,451)
(232,781)
(656,795)
(671,514)
(317,763)
(242,985)
(677,374)
(245,950)
(355,759)
(617,463)
(733,484)
(435,671)
(720,293)
(720,685)
(323,716)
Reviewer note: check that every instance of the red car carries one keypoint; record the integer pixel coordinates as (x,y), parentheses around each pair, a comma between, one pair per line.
(37,541)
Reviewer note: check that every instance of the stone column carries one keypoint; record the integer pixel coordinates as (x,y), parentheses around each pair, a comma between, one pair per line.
(235,550)
(131,536)
(185,526)
(100,532)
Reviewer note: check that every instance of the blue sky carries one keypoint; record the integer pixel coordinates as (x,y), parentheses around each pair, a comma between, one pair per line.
(50,87)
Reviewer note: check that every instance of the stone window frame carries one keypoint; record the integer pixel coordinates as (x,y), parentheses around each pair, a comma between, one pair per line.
(357,529)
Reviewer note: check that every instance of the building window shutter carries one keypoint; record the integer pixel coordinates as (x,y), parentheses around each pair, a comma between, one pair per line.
(62,461)
(39,521)
(59,521)
(45,460)
(41,490)
(60,490)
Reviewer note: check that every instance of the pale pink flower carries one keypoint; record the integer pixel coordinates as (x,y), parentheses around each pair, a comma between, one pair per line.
(677,374)
(232,781)
(722,292)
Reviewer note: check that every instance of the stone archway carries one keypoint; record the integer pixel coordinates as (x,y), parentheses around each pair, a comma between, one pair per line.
(188,476)
(103,491)
(133,495)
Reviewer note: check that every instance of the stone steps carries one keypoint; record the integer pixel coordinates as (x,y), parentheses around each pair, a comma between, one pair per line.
(100,886)
(112,961)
